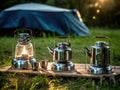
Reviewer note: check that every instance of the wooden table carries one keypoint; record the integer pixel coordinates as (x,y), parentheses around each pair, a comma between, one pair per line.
(81,70)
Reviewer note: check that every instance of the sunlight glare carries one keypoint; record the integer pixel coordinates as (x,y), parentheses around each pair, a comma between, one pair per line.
(97,11)
(94,17)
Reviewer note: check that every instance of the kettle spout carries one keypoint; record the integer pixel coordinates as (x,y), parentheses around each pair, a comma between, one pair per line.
(50,50)
(88,51)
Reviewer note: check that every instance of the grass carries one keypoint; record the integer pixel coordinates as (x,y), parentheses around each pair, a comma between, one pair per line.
(28,82)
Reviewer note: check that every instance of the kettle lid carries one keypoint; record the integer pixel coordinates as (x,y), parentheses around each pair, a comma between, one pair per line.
(101,43)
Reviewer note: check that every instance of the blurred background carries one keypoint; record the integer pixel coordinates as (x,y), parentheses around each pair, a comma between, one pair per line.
(95,13)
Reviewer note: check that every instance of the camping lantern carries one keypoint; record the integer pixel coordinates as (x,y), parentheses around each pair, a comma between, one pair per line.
(24,53)
(62,56)
(100,58)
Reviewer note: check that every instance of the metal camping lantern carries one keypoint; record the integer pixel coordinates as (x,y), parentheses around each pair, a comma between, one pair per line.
(100,58)
(24,53)
(62,56)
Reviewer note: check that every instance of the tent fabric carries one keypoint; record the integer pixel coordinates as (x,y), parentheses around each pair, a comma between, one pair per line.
(43,18)
(35,7)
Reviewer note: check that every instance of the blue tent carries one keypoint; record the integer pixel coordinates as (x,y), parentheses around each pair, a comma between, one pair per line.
(44,18)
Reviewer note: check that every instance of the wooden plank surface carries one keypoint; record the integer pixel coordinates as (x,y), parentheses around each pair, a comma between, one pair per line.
(81,70)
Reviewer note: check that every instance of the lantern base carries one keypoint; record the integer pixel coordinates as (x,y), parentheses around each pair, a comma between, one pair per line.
(62,66)
(20,64)
(100,69)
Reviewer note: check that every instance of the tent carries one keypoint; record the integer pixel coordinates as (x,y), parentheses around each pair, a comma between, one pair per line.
(44,18)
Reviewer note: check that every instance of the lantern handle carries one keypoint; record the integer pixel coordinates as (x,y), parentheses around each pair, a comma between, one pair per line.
(22,30)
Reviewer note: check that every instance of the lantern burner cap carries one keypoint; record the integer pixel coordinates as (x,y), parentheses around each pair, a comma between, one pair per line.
(24,37)
(101,43)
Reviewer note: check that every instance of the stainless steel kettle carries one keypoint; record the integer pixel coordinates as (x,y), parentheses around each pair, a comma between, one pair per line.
(62,56)
(62,53)
(100,58)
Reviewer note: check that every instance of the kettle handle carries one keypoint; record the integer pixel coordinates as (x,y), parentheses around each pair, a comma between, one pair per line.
(100,37)
(63,37)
